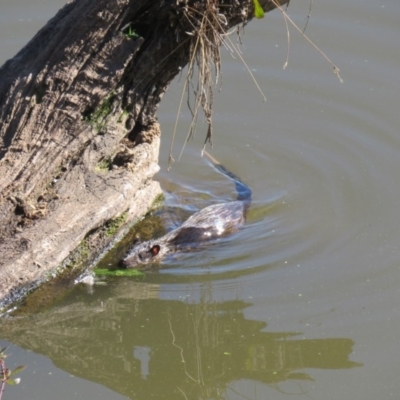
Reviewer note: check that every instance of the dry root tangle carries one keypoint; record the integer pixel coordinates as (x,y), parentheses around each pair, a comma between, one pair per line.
(207,30)
(206,27)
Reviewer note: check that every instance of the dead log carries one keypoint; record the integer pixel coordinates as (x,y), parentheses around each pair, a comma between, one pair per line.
(78,133)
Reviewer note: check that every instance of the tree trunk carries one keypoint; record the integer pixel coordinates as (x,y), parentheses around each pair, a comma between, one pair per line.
(79,139)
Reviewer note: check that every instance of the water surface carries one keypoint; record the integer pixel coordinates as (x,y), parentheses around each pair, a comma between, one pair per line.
(303,302)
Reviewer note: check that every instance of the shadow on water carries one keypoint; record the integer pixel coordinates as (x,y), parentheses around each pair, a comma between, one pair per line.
(126,337)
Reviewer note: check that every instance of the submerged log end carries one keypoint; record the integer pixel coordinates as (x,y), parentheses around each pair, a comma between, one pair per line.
(88,194)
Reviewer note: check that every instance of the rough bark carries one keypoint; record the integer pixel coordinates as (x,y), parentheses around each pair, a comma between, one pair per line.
(78,134)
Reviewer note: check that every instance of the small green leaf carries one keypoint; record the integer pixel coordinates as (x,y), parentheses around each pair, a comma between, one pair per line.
(129,32)
(132,34)
(258,10)
(18,370)
(2,352)
(13,382)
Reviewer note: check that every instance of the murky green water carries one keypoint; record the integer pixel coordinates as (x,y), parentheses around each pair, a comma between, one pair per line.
(303,302)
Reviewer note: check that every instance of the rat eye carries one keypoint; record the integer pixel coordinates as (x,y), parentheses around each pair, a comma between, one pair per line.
(155,250)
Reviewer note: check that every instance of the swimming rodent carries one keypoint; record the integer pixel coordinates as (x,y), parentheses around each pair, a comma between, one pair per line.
(204,226)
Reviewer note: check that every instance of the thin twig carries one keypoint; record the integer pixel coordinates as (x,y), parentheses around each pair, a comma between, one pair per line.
(309,15)
(288,43)
(237,51)
(170,158)
(3,377)
(336,70)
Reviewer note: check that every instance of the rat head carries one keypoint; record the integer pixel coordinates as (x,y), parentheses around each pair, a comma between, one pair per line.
(143,253)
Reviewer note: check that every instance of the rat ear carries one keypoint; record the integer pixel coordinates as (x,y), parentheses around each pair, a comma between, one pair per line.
(155,250)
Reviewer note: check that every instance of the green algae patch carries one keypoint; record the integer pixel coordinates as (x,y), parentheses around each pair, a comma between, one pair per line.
(118,272)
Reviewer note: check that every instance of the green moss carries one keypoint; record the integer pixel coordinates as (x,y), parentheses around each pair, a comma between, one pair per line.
(84,249)
(112,226)
(98,119)
(76,259)
(122,116)
(158,201)
(104,165)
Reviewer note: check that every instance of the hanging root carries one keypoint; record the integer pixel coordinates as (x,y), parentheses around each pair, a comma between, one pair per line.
(206,27)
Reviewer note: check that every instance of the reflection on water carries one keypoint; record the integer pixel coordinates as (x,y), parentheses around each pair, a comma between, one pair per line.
(141,346)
